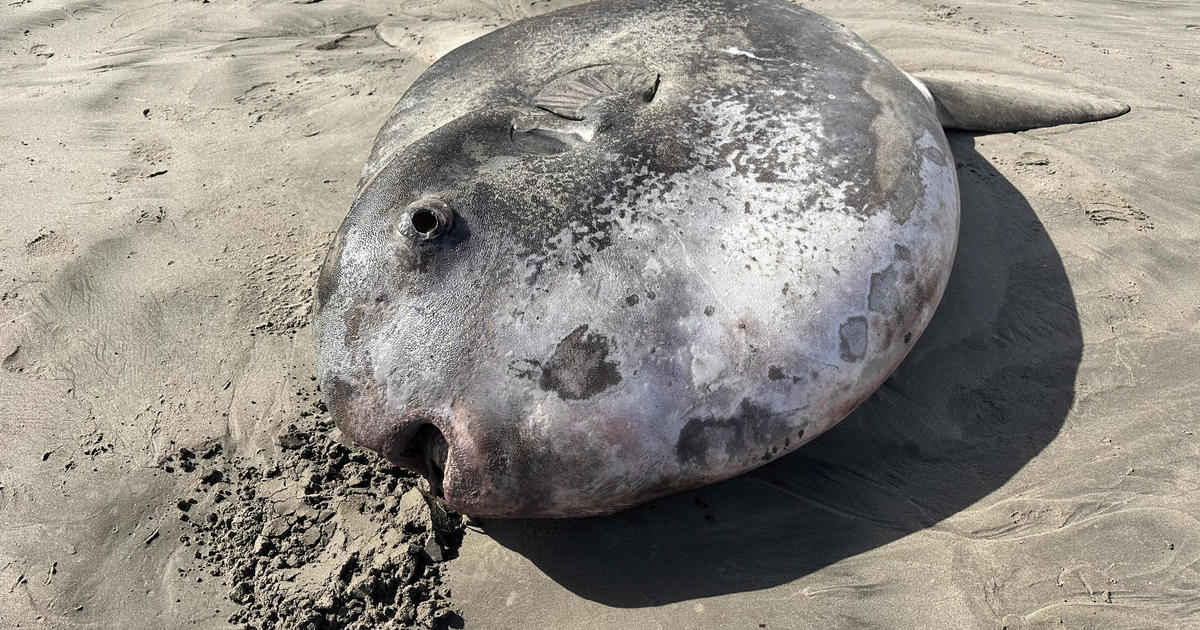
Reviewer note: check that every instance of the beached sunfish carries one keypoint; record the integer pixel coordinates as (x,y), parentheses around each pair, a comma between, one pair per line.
(632,247)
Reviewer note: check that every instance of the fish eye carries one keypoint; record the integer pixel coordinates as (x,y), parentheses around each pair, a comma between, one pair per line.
(424,219)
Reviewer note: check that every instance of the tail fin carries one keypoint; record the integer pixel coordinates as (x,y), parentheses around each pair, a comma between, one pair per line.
(996,104)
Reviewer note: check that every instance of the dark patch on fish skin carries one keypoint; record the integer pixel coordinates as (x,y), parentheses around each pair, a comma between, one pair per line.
(885,291)
(578,369)
(752,427)
(775,373)
(631,299)
(901,252)
(908,336)
(853,336)
(709,310)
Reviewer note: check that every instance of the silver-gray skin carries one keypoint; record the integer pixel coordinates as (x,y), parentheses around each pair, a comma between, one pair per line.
(632,247)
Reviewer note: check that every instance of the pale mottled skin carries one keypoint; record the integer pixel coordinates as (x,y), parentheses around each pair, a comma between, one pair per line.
(714,278)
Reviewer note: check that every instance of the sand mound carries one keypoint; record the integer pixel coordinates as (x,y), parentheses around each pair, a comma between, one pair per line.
(322,537)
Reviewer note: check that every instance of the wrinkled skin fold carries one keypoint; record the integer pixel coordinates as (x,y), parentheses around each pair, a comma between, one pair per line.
(687,238)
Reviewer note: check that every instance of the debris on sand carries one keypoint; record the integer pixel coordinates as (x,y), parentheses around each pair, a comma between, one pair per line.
(321,536)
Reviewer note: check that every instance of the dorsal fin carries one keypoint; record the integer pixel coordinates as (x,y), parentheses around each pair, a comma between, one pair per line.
(571,94)
(997,104)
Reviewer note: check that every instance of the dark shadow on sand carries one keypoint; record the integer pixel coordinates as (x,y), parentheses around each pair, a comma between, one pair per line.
(985,390)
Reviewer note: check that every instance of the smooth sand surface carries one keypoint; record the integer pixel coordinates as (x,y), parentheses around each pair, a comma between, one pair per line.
(174,171)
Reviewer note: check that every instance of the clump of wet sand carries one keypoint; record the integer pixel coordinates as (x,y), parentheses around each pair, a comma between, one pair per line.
(322,536)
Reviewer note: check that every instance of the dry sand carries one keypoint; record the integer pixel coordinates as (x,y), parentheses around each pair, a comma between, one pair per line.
(173,172)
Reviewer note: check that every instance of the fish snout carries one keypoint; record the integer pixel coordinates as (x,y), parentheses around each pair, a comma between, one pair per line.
(414,438)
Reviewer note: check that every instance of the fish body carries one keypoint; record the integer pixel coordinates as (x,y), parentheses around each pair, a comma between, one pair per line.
(632,247)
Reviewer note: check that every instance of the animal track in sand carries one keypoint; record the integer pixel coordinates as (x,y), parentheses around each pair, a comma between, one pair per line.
(48,242)
(1103,213)
(1042,57)
(147,158)
(281,286)
(1103,207)
(1081,190)
(953,15)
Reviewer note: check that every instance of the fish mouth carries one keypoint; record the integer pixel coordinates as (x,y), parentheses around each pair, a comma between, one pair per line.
(424,451)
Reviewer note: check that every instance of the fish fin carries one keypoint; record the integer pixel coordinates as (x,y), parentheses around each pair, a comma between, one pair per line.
(573,94)
(998,104)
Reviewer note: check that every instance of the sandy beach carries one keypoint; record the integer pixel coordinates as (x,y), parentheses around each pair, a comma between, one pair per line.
(173,174)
